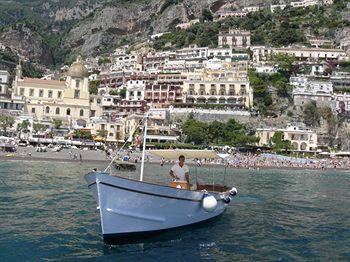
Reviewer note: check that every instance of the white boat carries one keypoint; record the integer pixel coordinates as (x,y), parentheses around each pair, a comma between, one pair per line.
(132,210)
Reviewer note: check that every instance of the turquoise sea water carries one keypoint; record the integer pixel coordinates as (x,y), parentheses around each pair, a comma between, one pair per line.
(48,213)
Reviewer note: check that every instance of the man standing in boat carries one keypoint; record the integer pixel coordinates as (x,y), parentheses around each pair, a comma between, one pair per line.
(180,171)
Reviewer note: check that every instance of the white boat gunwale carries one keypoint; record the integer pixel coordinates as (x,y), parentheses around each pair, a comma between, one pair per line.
(155,184)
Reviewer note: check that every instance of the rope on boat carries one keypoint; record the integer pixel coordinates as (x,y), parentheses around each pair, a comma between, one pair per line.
(113,159)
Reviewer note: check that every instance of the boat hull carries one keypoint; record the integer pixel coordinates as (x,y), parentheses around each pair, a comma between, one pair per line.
(131,210)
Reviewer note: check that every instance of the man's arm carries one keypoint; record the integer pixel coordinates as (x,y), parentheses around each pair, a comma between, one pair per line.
(187,175)
(172,174)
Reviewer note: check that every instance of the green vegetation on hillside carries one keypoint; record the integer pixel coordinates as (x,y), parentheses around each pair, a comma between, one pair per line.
(284,27)
(230,133)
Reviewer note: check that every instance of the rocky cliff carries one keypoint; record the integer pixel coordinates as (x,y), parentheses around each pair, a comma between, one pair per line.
(67,27)
(28,44)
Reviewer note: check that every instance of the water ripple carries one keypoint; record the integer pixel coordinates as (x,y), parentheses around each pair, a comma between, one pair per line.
(48,213)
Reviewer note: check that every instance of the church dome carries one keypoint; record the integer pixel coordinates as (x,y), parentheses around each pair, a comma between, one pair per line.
(77,69)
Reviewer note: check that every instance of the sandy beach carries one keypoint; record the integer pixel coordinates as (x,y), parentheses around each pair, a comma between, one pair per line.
(235,161)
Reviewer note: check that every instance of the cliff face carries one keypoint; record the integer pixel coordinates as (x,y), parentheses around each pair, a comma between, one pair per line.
(28,44)
(90,27)
(94,26)
(112,24)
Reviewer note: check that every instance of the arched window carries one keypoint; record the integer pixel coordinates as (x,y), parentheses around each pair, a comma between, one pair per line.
(57,110)
(81,112)
(68,111)
(47,110)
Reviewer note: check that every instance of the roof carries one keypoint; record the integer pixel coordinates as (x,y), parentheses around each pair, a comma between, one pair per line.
(28,80)
(78,69)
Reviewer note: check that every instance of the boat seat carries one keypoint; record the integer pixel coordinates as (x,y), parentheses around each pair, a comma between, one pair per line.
(180,184)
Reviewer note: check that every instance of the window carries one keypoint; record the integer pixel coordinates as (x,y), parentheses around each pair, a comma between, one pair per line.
(57,110)
(68,111)
(33,110)
(81,112)
(41,93)
(50,94)
(77,82)
(59,94)
(31,92)
(76,93)
(21,92)
(47,110)
(98,101)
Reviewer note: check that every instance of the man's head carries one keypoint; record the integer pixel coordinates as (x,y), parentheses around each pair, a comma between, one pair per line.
(181,160)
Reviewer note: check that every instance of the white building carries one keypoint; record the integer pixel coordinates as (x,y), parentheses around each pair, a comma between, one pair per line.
(115,130)
(266,69)
(192,52)
(306,90)
(301,139)
(273,8)
(304,3)
(262,53)
(250,9)
(135,90)
(4,82)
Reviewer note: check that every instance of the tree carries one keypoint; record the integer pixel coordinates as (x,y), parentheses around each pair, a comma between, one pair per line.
(57,123)
(23,127)
(207,15)
(122,93)
(38,127)
(216,130)
(6,122)
(82,134)
(113,92)
(285,63)
(311,114)
(278,143)
(102,133)
(93,87)
(196,132)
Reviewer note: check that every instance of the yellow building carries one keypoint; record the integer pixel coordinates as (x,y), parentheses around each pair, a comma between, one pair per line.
(47,100)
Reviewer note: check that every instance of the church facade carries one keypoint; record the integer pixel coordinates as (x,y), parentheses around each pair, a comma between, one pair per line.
(48,100)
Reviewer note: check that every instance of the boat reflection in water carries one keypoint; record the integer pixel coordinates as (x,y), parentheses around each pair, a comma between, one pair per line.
(133,210)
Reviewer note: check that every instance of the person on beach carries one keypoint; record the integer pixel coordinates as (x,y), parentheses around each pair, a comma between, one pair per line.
(180,171)
(162,161)
(80,158)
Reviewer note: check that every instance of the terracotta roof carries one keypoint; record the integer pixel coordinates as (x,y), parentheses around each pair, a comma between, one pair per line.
(43,81)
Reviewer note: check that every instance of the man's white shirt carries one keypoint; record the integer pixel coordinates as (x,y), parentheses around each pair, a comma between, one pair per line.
(180,171)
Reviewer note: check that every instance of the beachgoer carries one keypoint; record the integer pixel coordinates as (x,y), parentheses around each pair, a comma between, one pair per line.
(162,161)
(180,171)
(80,158)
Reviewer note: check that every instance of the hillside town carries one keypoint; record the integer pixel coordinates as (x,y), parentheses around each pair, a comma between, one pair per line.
(103,99)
